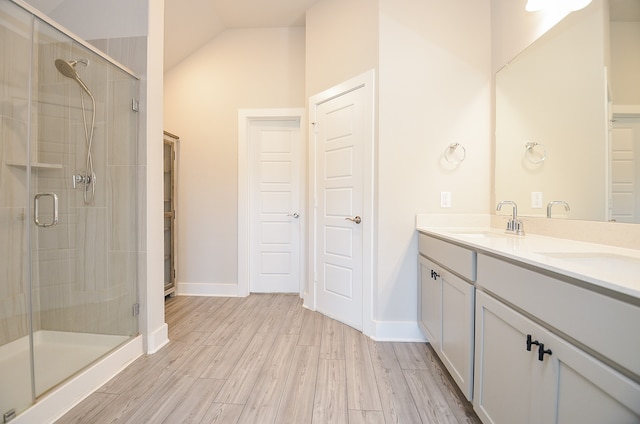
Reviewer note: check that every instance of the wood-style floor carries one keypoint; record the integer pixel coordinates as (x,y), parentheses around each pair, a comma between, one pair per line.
(266,359)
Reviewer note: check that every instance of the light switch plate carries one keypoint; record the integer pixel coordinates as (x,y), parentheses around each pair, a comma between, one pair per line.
(445,199)
(536,199)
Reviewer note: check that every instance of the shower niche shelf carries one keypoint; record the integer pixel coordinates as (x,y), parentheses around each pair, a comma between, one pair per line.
(36,165)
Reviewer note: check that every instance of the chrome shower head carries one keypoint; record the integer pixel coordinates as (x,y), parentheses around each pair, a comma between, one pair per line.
(68,69)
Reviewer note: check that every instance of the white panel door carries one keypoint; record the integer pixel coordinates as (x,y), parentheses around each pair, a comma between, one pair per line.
(339,143)
(625,191)
(275,206)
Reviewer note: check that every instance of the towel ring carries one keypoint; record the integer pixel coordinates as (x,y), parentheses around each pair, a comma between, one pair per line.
(534,156)
(448,152)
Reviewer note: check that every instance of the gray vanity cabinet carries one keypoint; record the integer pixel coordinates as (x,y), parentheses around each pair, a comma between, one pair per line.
(446,303)
(551,382)
(524,371)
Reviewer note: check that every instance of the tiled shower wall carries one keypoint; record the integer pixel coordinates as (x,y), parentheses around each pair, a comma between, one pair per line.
(85,268)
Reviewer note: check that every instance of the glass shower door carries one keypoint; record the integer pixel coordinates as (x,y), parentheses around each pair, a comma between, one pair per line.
(83,191)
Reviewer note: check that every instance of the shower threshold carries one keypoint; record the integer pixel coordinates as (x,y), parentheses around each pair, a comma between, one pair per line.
(58,355)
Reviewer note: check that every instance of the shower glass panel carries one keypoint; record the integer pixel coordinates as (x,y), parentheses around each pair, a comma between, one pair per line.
(68,207)
(15,358)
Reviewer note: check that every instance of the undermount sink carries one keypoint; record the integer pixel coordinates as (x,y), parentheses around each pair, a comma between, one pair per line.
(609,261)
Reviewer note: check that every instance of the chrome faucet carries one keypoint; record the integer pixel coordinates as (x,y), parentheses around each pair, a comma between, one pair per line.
(556,202)
(514,225)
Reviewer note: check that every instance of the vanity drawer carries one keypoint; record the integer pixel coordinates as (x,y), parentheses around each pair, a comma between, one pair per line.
(604,324)
(458,259)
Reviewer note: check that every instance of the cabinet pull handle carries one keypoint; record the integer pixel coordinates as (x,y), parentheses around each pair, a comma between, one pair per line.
(434,275)
(532,342)
(541,352)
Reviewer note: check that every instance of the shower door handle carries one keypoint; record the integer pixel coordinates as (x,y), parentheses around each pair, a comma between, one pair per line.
(36,209)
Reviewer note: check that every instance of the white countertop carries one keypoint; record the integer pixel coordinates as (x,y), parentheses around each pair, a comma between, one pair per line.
(609,267)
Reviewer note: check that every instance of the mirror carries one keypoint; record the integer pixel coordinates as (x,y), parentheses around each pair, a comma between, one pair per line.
(568,118)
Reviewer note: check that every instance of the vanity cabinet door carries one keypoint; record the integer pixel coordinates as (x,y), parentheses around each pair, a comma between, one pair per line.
(504,370)
(456,350)
(430,302)
(446,319)
(582,389)
(554,382)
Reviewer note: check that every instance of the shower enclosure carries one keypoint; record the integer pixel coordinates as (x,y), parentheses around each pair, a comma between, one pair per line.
(68,199)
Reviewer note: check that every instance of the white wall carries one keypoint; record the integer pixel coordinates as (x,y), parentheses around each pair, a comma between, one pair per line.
(625,66)
(434,89)
(253,68)
(341,42)
(151,266)
(433,64)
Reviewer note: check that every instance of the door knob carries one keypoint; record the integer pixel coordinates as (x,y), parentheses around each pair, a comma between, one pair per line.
(355,219)
(294,215)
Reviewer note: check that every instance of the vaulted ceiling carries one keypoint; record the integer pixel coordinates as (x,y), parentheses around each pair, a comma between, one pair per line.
(191,24)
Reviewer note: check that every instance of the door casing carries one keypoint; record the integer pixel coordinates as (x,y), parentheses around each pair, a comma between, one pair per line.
(245,116)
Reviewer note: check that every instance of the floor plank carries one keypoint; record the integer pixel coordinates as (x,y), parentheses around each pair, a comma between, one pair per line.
(296,405)
(263,401)
(246,372)
(294,317)
(311,330)
(197,401)
(222,413)
(366,417)
(431,403)
(222,330)
(362,392)
(332,341)
(278,309)
(162,401)
(397,403)
(265,359)
(88,409)
(330,405)
(200,361)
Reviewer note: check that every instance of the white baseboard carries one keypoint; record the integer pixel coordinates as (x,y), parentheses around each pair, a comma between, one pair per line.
(207,289)
(397,331)
(55,404)
(157,339)
(389,331)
